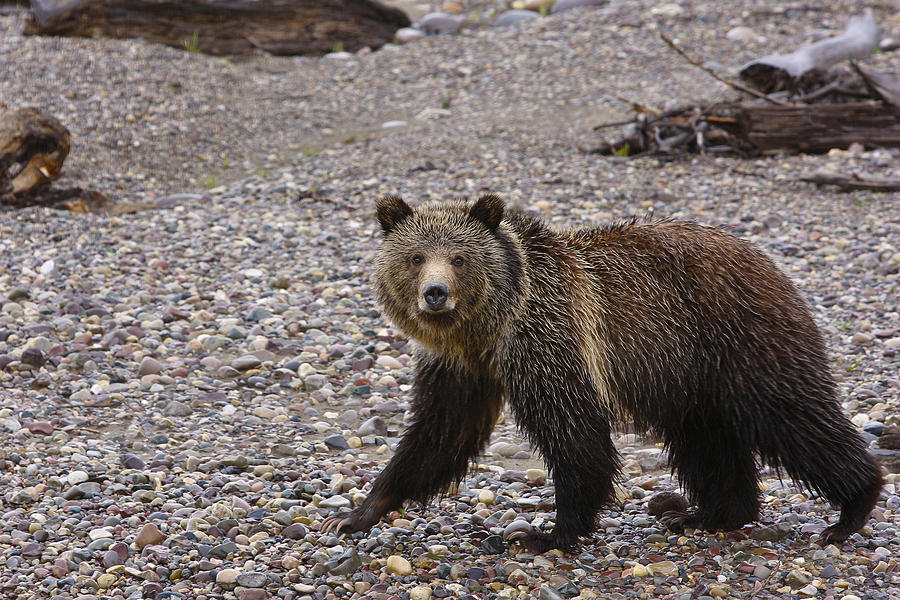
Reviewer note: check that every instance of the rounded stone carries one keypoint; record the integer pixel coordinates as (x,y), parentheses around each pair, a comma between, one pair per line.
(404,35)
(245,362)
(227,576)
(149,535)
(563,5)
(513,16)
(252,579)
(397,565)
(149,366)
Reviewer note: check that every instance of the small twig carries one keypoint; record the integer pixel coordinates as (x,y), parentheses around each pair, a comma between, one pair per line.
(724,80)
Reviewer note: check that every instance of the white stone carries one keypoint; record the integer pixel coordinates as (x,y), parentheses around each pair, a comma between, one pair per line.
(76,477)
(405,35)
(99,533)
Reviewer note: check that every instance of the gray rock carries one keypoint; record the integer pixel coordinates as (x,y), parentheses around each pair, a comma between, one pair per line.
(33,357)
(562,5)
(373,426)
(437,23)
(177,409)
(314,382)
(336,441)
(149,366)
(297,531)
(223,550)
(345,564)
(548,593)
(493,544)
(214,342)
(336,501)
(130,461)
(252,579)
(511,17)
(243,363)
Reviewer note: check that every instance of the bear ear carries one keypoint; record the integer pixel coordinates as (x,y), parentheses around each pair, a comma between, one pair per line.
(489,210)
(391,210)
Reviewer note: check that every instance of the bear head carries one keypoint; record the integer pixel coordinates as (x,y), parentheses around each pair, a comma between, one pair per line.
(448,273)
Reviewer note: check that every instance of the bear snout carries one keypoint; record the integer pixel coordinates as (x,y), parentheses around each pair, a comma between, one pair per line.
(436,295)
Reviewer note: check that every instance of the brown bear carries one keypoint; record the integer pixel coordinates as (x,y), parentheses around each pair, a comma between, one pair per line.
(690,332)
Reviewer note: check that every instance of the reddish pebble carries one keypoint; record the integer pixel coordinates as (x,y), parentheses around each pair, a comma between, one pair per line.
(60,568)
(42,427)
(149,535)
(253,594)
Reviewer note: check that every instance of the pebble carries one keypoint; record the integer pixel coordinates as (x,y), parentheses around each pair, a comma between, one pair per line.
(397,565)
(252,579)
(148,535)
(41,427)
(514,16)
(149,366)
(245,362)
(404,35)
(563,5)
(437,23)
(227,576)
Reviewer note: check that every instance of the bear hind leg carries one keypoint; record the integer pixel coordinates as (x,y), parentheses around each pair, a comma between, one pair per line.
(717,469)
(831,459)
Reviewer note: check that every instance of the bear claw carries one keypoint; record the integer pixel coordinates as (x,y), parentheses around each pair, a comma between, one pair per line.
(334,524)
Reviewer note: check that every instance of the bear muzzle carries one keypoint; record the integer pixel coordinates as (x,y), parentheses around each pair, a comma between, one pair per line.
(436,298)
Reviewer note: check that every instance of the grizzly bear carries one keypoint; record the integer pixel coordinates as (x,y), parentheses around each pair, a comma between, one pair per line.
(688,331)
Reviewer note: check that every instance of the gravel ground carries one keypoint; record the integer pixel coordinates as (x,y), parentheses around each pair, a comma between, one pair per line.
(187,392)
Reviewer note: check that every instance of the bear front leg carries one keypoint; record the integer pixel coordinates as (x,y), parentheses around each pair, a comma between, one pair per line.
(454,413)
(559,411)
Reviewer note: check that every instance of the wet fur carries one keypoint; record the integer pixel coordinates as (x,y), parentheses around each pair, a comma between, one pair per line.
(689,331)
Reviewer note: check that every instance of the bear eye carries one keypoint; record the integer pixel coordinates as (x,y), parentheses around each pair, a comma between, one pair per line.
(458,261)
(418,259)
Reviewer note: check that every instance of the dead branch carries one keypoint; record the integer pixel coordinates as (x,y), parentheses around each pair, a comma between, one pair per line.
(853,182)
(709,71)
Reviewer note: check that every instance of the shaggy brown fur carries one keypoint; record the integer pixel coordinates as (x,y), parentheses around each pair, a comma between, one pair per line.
(689,331)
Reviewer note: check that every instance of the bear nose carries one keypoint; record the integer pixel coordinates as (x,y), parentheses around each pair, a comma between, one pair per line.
(436,295)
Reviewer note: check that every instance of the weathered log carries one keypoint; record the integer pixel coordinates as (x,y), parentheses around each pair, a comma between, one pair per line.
(33,147)
(229,27)
(849,183)
(753,129)
(819,127)
(791,71)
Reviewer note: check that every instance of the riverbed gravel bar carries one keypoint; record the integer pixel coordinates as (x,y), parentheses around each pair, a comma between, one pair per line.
(187,391)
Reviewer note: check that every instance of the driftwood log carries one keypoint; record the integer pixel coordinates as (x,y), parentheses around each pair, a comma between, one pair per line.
(819,127)
(804,67)
(225,27)
(33,147)
(849,183)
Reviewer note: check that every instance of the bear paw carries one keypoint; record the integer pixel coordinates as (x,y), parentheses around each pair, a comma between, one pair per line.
(356,520)
(835,534)
(679,520)
(535,542)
